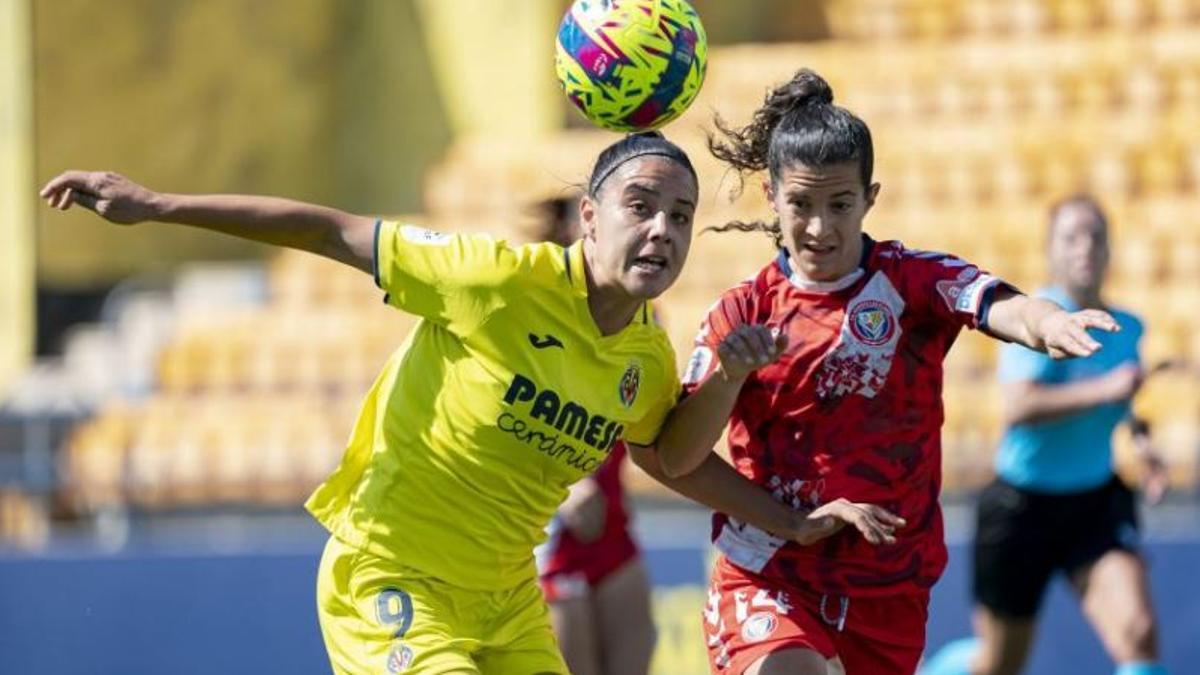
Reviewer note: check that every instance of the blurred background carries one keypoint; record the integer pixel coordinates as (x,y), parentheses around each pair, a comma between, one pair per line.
(168,398)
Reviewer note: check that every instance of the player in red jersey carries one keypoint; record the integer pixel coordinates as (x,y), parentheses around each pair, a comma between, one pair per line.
(827,366)
(593,576)
(590,568)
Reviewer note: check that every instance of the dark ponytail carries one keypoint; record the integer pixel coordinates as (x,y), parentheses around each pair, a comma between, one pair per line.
(631,147)
(796,124)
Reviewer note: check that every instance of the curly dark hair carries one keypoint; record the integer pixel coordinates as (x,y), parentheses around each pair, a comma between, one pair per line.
(796,124)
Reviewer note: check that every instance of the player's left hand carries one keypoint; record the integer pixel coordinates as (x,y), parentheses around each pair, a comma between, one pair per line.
(583,511)
(1065,335)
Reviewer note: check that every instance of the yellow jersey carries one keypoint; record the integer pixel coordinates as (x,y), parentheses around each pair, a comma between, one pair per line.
(503,395)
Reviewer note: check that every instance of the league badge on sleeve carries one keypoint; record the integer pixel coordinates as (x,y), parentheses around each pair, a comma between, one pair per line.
(697,365)
(424,237)
(951,290)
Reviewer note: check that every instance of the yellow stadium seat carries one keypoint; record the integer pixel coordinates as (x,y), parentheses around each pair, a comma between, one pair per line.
(1075,16)
(95,457)
(24,520)
(155,438)
(1110,174)
(1136,262)
(1175,13)
(1126,15)
(228,450)
(1030,18)
(1161,170)
(1183,261)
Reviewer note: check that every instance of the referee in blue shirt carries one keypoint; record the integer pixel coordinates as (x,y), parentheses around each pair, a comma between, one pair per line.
(1056,504)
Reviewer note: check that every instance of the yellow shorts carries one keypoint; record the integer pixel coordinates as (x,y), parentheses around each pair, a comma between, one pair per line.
(378,616)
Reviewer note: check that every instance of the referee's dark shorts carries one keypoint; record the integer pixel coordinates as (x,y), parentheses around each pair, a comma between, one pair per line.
(1022,538)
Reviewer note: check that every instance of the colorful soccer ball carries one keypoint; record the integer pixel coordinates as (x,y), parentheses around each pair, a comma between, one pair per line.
(631,65)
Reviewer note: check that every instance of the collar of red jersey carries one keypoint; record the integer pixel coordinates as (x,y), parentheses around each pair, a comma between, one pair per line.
(785,267)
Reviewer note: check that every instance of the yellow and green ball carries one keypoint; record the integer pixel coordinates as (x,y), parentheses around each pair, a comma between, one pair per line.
(631,65)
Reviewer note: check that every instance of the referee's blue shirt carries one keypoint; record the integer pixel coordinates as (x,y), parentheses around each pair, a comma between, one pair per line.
(1072,453)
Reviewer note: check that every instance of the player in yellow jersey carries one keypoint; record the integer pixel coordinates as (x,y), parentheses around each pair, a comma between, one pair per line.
(529,364)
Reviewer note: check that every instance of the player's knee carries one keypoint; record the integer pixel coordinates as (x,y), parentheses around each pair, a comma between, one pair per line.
(637,639)
(648,639)
(1139,637)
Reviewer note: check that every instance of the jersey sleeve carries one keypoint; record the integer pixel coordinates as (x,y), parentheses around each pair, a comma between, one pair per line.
(726,314)
(952,291)
(453,280)
(645,431)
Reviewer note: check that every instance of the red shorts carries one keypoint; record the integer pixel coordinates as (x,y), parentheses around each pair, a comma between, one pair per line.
(570,569)
(748,617)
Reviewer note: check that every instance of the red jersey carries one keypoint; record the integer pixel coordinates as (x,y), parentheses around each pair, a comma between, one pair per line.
(853,409)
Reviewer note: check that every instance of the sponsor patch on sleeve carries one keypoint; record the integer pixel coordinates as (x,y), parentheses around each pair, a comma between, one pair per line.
(952,289)
(972,295)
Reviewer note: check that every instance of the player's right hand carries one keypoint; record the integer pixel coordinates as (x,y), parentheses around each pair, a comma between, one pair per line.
(1065,335)
(111,195)
(584,510)
(748,348)
(876,524)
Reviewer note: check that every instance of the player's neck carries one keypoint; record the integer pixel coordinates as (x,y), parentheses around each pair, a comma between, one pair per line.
(611,306)
(1084,298)
(611,309)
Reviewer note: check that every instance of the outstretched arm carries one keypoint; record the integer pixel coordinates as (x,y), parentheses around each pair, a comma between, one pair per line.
(697,421)
(715,484)
(1031,402)
(1044,326)
(325,231)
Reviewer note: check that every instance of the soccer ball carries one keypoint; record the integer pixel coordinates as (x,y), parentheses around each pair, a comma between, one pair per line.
(631,65)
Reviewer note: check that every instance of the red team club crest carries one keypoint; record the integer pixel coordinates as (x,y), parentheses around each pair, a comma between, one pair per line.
(872,322)
(630,382)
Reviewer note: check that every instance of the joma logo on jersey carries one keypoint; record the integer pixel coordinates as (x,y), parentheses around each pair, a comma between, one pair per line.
(566,416)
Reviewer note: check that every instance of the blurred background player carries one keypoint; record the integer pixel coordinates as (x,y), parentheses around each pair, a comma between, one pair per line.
(1056,504)
(827,367)
(450,474)
(590,567)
